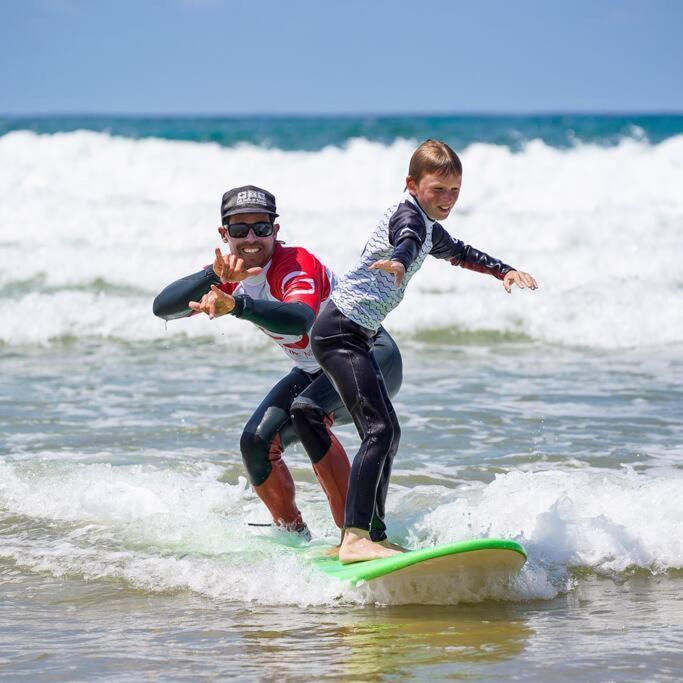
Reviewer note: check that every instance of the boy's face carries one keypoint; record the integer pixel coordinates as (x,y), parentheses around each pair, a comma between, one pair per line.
(436,194)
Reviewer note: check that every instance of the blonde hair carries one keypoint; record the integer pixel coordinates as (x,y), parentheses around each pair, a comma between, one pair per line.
(434,156)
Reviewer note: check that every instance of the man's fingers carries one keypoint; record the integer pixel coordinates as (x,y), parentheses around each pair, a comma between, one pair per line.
(239,264)
(220,258)
(230,266)
(199,306)
(219,293)
(254,271)
(218,265)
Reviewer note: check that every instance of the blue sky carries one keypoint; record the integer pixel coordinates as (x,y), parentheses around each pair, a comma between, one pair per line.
(346,56)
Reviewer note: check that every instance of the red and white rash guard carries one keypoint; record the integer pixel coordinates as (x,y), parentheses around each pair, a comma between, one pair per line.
(293,275)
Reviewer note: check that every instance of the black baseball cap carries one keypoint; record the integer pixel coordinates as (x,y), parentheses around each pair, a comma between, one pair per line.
(247,199)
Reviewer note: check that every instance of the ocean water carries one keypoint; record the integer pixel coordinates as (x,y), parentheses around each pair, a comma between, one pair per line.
(551,417)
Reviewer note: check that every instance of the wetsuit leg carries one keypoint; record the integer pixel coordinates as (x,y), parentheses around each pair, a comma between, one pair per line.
(313,423)
(318,407)
(344,351)
(263,440)
(378,530)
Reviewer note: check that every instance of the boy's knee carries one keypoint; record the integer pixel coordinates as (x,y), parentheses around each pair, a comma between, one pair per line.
(255,456)
(385,436)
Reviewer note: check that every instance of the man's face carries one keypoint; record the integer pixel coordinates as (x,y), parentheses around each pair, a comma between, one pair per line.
(255,251)
(436,194)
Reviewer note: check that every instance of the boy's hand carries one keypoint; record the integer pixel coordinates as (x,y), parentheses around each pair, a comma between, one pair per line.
(214,304)
(389,266)
(520,279)
(230,268)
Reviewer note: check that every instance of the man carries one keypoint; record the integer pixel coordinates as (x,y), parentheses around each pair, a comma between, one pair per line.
(281,290)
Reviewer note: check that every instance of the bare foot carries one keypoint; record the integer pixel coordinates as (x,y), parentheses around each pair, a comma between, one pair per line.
(357,547)
(334,551)
(394,546)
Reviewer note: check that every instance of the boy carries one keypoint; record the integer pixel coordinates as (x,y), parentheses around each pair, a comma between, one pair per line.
(342,336)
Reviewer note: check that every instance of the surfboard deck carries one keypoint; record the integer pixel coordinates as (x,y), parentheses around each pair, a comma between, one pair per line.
(481,557)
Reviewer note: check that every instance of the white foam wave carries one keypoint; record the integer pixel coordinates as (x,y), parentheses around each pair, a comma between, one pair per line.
(92,227)
(603,520)
(168,529)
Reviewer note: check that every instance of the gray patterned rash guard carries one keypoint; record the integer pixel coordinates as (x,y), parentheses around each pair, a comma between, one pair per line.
(405,233)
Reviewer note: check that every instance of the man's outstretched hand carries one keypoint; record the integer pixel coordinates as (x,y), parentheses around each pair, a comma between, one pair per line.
(522,280)
(230,268)
(215,303)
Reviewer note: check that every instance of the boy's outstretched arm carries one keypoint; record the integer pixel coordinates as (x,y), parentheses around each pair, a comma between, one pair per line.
(460,254)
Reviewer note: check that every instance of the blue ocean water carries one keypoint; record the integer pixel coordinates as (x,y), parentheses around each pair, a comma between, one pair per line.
(315,132)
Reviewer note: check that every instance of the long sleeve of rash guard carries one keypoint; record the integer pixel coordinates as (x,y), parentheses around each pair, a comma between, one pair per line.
(460,254)
(172,302)
(274,316)
(406,251)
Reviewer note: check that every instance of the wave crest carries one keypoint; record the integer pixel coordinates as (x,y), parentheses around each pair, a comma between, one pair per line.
(597,226)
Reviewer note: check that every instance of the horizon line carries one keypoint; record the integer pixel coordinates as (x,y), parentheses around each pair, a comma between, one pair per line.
(331,115)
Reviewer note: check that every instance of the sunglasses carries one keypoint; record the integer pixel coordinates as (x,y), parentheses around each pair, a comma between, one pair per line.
(240,230)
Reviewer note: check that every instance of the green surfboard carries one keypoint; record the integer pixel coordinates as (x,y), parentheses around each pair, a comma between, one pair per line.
(481,557)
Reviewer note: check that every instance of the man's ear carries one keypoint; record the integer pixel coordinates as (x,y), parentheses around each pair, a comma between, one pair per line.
(411,185)
(276,228)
